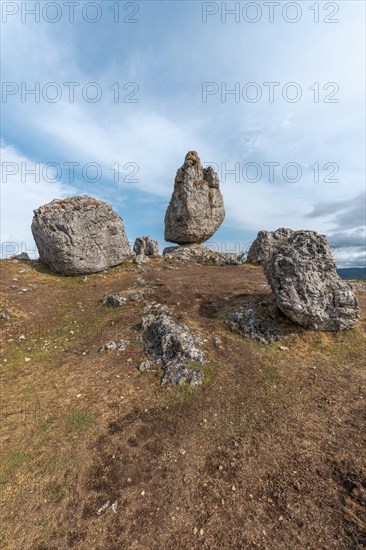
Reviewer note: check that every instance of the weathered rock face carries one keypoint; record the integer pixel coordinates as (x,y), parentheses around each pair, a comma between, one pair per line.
(146,246)
(266,244)
(171,346)
(199,253)
(308,290)
(79,235)
(196,209)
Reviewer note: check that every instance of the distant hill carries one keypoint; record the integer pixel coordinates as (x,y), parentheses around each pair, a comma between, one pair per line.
(352,273)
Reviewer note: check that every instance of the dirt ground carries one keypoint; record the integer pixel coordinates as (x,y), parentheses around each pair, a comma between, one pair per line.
(269,453)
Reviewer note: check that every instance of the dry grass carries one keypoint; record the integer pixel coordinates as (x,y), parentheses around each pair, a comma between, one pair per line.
(268,453)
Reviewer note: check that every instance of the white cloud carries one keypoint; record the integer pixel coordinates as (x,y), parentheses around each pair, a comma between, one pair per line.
(171,118)
(19,198)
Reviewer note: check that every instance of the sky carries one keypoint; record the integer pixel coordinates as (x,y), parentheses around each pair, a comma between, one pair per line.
(270,93)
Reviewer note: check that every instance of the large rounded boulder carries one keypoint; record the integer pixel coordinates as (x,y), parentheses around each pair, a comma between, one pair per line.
(308,290)
(196,209)
(79,235)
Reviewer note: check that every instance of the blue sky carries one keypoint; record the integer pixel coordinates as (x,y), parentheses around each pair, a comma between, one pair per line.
(167,55)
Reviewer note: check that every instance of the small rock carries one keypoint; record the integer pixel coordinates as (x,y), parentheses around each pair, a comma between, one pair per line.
(109,346)
(103,508)
(122,345)
(22,257)
(137,296)
(283,348)
(119,346)
(5,315)
(114,300)
(140,259)
(145,366)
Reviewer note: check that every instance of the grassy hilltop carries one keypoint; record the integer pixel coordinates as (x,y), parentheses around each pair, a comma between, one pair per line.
(268,453)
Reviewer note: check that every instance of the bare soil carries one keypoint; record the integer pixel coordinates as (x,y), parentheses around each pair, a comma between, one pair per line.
(269,453)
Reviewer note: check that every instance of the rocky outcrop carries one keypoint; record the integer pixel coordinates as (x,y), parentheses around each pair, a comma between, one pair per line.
(266,244)
(308,290)
(171,346)
(196,209)
(198,253)
(146,246)
(256,322)
(79,235)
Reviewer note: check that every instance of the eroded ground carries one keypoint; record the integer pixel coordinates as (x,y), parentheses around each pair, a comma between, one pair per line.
(268,453)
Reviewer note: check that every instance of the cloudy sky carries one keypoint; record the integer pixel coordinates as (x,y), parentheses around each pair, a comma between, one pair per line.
(271,95)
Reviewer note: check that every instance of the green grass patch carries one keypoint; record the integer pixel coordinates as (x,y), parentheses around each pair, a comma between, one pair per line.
(11,463)
(78,420)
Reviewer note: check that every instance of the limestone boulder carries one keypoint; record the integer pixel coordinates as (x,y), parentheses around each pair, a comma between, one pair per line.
(308,290)
(79,235)
(267,243)
(196,209)
(146,246)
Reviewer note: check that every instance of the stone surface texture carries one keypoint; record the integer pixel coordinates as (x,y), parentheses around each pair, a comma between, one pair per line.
(171,346)
(254,322)
(196,209)
(308,290)
(79,235)
(146,246)
(266,244)
(199,253)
